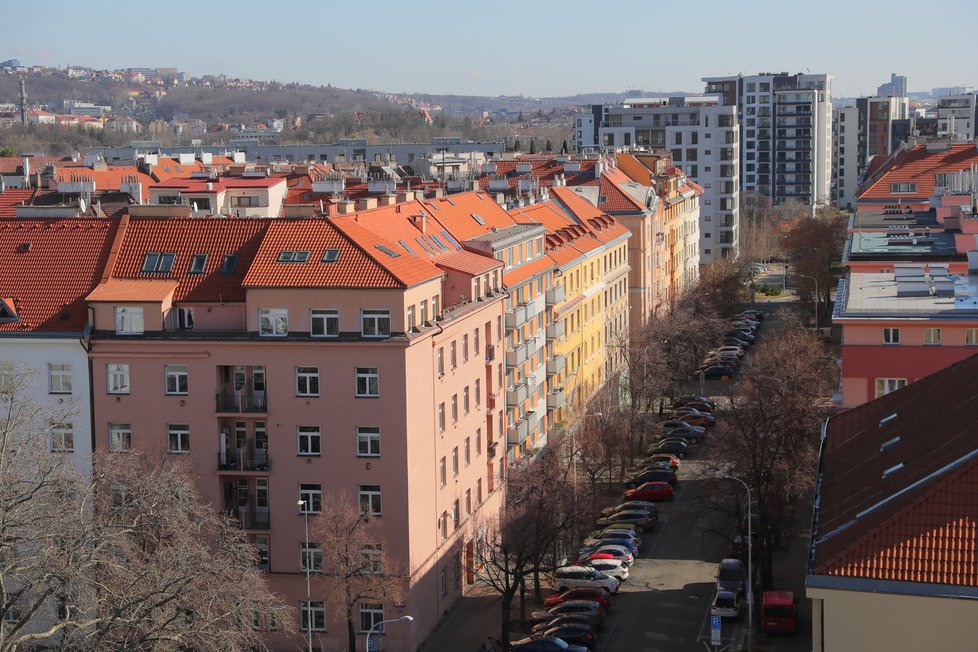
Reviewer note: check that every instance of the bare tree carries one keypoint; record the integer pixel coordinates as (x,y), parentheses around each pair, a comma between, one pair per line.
(762,228)
(721,284)
(357,569)
(815,246)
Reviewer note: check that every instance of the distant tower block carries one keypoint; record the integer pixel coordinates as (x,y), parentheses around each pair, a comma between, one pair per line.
(23,102)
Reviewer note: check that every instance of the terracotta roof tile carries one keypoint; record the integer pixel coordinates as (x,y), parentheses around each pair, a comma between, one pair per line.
(12,197)
(133,290)
(920,167)
(49,280)
(110,178)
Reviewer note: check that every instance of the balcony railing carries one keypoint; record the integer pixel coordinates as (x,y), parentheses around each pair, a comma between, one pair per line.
(244,461)
(555,400)
(250,518)
(555,295)
(242,403)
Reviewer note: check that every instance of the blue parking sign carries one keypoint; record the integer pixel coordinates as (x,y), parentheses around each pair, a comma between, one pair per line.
(714,630)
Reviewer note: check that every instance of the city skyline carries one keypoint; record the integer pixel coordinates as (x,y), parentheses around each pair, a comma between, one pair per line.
(493,52)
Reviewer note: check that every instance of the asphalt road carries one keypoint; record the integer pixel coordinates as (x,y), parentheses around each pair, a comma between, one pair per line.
(664,605)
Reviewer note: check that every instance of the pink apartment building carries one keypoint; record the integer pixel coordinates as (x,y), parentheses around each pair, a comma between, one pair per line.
(306,360)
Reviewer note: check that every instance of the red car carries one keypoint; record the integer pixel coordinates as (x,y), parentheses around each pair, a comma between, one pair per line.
(600,596)
(651,491)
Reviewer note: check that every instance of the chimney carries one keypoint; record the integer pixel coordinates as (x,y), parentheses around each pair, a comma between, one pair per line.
(346,207)
(367,203)
(387,200)
(405,196)
(27,172)
(438,192)
(421,222)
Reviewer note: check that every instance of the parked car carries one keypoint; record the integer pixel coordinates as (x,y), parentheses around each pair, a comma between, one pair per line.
(736,341)
(691,398)
(741,334)
(617,526)
(672,425)
(743,324)
(738,547)
(651,491)
(664,475)
(665,459)
(572,635)
(611,567)
(590,612)
(612,540)
(718,372)
(730,575)
(778,612)
(751,312)
(726,604)
(599,595)
(641,520)
(619,552)
(569,577)
(696,419)
(688,440)
(730,348)
(540,644)
(675,448)
(572,619)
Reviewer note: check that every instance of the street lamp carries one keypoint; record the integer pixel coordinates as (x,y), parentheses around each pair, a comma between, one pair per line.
(815,281)
(750,563)
(306,561)
(378,626)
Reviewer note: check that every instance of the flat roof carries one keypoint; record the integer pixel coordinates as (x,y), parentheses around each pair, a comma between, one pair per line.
(883,219)
(874,295)
(879,245)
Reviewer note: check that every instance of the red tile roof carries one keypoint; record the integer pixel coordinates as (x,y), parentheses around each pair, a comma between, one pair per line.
(49,281)
(898,499)
(920,167)
(133,290)
(12,197)
(215,237)
(110,178)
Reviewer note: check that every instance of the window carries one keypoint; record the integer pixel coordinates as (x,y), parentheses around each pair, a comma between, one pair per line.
(441,361)
(478,441)
(245,201)
(307,381)
(120,437)
(891,336)
(62,438)
(455,461)
(312,616)
(478,491)
(466,451)
(452,354)
(158,263)
(331,255)
(368,441)
(441,417)
(178,437)
(273,322)
(442,474)
(262,547)
(375,323)
(971,336)
(454,408)
(324,323)
(310,557)
(932,336)
(468,502)
(903,187)
(128,321)
(456,514)
(117,378)
(465,348)
(886,385)
(185,319)
(293,256)
(309,443)
(230,264)
(177,379)
(59,378)
(369,495)
(475,342)
(371,614)
(478,392)
(198,264)
(465,400)
(368,382)
(311,497)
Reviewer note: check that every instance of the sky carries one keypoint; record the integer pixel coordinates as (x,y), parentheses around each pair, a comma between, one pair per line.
(538,48)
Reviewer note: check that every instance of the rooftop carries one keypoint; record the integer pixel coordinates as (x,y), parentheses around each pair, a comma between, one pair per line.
(888,217)
(902,244)
(872,295)
(912,174)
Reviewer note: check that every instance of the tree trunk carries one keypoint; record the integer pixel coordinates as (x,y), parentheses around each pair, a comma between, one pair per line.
(523,600)
(351,632)
(506,605)
(537,590)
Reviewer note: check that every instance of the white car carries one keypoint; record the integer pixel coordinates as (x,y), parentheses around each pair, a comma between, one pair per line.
(731,349)
(726,604)
(570,577)
(611,567)
(619,552)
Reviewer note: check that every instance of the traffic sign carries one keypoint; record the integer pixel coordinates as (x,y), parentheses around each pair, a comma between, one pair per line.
(371,644)
(715,630)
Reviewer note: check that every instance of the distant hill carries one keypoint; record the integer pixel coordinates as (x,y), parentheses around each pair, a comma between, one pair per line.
(474,104)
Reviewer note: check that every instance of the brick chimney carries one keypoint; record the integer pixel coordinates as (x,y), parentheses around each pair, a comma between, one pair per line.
(346,207)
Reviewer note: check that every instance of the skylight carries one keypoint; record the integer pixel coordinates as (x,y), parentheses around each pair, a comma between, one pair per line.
(889,443)
(478,218)
(448,236)
(331,255)
(450,201)
(197,264)
(424,246)
(229,264)
(886,420)
(293,256)
(441,245)
(387,250)
(406,247)
(158,263)
(892,469)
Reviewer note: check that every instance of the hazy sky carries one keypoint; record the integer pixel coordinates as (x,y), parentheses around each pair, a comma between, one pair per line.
(529,47)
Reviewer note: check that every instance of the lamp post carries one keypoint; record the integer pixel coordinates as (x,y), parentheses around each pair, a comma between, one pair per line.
(750,563)
(378,626)
(306,562)
(815,281)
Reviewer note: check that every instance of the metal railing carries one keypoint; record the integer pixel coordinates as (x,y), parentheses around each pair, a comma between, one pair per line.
(242,403)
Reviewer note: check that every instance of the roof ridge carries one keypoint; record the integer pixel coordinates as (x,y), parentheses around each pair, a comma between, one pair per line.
(364,250)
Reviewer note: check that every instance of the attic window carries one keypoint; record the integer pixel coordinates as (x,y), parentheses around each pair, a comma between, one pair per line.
(7,313)
(229,264)
(886,420)
(166,168)
(26,246)
(406,247)
(424,246)
(889,443)
(197,264)
(158,263)
(893,469)
(478,218)
(293,256)
(331,255)
(602,199)
(387,250)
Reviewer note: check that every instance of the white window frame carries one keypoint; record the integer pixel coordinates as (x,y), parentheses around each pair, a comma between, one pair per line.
(374,555)
(971,337)
(441,417)
(886,385)
(929,337)
(375,323)
(312,494)
(369,499)
(309,438)
(117,378)
(273,322)
(120,437)
(178,437)
(62,438)
(465,400)
(891,336)
(310,557)
(465,348)
(368,441)
(374,611)
(305,378)
(59,378)
(129,320)
(327,320)
(312,616)
(174,373)
(370,376)
(453,354)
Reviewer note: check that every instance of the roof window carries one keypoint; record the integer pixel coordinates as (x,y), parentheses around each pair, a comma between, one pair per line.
(387,250)
(441,245)
(406,247)
(158,263)
(197,264)
(478,218)
(448,236)
(229,264)
(886,420)
(424,246)
(889,443)
(893,469)
(331,255)
(293,256)
(7,313)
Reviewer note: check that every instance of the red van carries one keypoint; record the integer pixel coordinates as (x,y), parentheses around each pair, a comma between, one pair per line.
(778,612)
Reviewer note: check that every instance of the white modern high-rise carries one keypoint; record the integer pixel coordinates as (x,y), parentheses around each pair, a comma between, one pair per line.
(702,136)
(956,117)
(859,134)
(786,133)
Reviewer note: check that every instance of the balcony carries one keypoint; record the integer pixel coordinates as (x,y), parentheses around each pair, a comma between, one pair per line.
(491,449)
(555,295)
(556,364)
(490,353)
(517,395)
(251,518)
(244,460)
(516,434)
(555,400)
(518,355)
(555,331)
(491,402)
(516,317)
(242,403)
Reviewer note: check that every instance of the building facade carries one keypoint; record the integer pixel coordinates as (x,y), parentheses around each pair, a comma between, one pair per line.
(861,133)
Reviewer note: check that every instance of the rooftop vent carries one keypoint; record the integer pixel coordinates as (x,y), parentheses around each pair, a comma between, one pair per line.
(889,443)
(893,469)
(25,246)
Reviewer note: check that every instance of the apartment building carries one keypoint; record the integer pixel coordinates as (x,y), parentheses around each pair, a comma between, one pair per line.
(240,196)
(913,176)
(704,139)
(860,134)
(786,133)
(957,117)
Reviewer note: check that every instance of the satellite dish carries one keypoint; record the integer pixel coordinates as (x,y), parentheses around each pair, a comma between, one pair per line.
(82,205)
(193,206)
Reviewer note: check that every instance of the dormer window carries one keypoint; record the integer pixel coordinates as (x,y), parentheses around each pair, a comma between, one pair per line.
(7,312)
(158,263)
(229,264)
(197,264)
(293,256)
